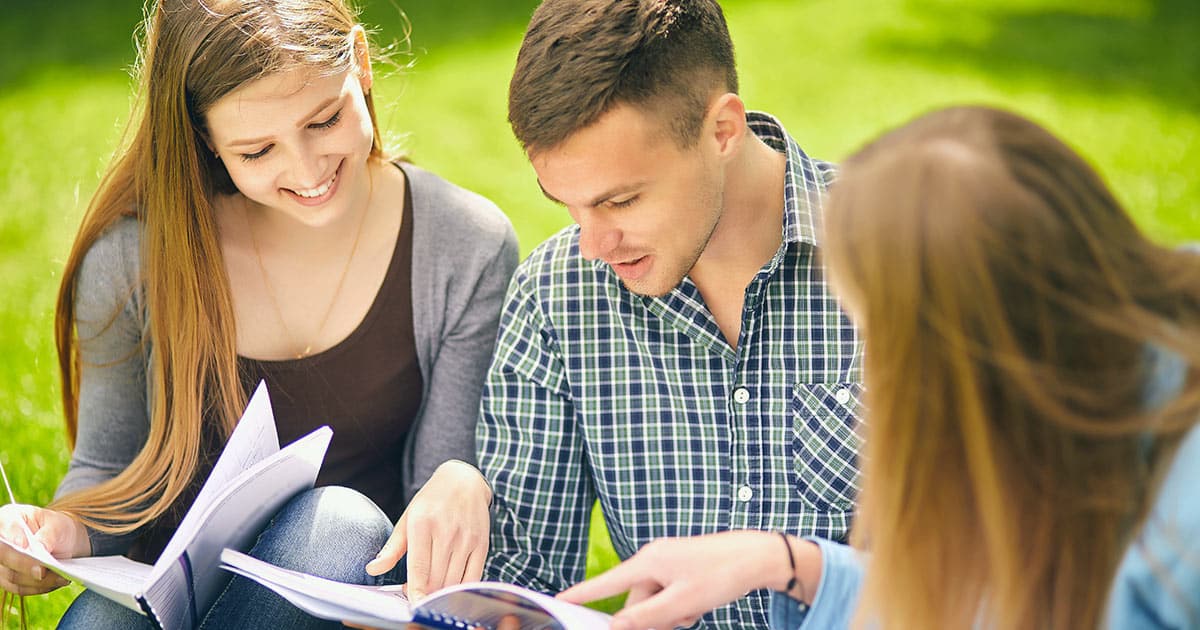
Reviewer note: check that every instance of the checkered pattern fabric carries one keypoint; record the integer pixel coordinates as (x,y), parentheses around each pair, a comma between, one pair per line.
(596,392)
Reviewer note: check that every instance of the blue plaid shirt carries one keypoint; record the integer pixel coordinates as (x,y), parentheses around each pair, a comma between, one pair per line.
(596,392)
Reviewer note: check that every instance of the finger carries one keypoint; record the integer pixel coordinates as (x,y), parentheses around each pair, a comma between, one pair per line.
(420,552)
(509,622)
(617,580)
(15,536)
(441,560)
(20,584)
(475,564)
(21,564)
(642,591)
(455,568)
(394,549)
(667,608)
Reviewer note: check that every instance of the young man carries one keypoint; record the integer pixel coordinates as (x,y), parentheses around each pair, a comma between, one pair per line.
(677,353)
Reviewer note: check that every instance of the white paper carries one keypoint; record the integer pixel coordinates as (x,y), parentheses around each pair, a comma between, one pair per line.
(251,481)
(472,604)
(253,439)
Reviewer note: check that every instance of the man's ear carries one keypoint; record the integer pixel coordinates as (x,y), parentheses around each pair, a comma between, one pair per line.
(362,57)
(727,121)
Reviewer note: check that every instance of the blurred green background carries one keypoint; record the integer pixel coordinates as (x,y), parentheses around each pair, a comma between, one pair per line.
(1119,79)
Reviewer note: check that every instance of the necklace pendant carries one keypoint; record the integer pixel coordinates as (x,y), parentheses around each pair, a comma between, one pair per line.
(307,351)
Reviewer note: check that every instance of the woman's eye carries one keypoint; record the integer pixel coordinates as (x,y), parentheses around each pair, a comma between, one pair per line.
(329,122)
(246,157)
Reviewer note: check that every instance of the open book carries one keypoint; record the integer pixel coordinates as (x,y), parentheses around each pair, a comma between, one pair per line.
(475,604)
(251,481)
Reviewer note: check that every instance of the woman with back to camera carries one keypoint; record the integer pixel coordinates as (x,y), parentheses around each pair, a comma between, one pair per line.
(253,228)
(1033,392)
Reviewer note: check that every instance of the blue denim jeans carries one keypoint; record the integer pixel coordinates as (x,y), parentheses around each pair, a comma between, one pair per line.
(331,532)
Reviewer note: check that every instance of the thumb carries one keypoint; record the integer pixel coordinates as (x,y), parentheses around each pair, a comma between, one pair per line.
(394,549)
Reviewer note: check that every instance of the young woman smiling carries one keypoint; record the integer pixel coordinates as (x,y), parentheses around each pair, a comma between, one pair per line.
(253,228)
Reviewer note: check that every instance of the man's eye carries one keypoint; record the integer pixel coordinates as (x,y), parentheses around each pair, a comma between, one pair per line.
(624,203)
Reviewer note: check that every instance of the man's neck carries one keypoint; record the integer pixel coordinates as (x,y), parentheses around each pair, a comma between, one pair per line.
(751,226)
(747,235)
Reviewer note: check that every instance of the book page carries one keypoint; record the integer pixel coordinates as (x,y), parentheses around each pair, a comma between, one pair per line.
(115,577)
(463,606)
(486,603)
(236,516)
(253,440)
(376,606)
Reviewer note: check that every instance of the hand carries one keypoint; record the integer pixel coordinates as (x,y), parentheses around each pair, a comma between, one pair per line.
(444,531)
(673,581)
(60,534)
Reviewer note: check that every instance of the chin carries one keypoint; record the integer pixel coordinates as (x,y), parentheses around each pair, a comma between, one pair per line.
(650,288)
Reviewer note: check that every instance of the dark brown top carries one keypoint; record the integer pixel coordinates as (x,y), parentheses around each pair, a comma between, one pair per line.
(367,388)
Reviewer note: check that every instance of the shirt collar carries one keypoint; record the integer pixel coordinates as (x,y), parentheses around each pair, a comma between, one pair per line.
(805,180)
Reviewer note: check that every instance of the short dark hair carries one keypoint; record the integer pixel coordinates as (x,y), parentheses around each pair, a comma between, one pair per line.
(579,58)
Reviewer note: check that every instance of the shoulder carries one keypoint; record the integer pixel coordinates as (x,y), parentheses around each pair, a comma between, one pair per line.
(557,280)
(1183,476)
(447,215)
(113,262)
(1158,583)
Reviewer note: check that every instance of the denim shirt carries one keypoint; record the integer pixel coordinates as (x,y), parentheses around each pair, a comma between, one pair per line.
(1156,586)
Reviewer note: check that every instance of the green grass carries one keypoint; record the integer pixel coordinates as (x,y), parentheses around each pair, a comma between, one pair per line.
(1116,78)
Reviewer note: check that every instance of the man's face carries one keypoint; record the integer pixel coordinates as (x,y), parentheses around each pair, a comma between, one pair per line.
(643,205)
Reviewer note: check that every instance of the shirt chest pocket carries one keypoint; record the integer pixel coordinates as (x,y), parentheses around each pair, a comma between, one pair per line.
(825,443)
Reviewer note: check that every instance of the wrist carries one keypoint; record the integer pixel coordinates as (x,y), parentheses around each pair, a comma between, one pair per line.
(782,575)
(469,471)
(81,542)
(808,569)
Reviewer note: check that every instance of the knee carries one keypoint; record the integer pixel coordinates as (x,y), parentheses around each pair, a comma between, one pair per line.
(331,532)
(91,610)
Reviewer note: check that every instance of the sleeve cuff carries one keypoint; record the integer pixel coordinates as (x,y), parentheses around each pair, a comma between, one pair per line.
(836,598)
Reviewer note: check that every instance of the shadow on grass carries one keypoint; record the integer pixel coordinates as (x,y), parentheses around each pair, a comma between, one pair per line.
(1155,54)
(86,35)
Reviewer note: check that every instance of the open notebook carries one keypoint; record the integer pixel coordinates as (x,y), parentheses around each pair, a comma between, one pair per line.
(250,482)
(476,604)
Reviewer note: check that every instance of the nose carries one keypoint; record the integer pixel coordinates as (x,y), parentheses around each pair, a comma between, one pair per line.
(308,166)
(597,238)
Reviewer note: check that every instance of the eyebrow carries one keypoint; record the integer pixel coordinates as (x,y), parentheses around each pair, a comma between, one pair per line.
(325,103)
(598,199)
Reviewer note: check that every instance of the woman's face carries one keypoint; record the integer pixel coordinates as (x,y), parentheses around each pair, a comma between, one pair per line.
(297,144)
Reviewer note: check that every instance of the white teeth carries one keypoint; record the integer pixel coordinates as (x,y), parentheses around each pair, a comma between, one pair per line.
(318,191)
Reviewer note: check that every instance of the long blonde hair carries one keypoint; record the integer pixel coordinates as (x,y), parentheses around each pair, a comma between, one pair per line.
(192,53)
(1008,303)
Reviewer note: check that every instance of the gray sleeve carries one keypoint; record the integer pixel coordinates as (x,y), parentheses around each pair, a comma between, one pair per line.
(113,418)
(464,253)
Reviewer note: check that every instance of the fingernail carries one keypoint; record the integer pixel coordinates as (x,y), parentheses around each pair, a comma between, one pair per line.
(39,572)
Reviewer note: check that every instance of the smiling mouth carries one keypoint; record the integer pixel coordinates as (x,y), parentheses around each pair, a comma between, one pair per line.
(313,193)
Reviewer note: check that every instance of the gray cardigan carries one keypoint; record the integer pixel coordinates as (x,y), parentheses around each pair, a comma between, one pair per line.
(464,251)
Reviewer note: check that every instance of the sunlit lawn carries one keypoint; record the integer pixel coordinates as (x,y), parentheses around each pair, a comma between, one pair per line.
(1117,78)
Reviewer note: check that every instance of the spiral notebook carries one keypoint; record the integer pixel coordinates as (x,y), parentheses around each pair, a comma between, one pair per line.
(471,605)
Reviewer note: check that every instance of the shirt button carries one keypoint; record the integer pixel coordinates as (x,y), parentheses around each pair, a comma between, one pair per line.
(741,395)
(842,396)
(745,493)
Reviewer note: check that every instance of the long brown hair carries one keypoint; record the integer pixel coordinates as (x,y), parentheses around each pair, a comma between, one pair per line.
(192,53)
(1008,302)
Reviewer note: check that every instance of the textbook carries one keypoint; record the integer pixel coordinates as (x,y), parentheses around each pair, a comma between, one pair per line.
(251,481)
(463,606)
